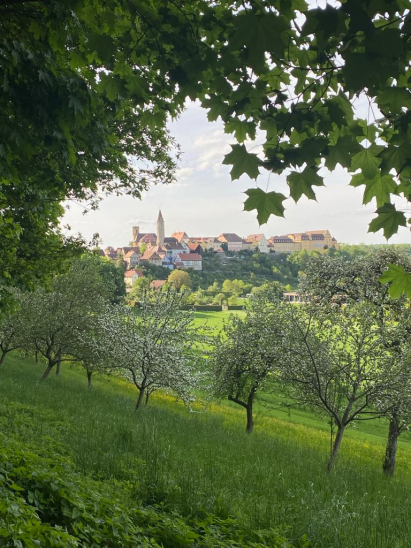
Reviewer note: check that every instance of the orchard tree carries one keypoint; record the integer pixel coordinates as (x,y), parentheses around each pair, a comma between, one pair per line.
(338,363)
(180,278)
(247,355)
(155,346)
(345,279)
(395,401)
(340,281)
(55,322)
(11,328)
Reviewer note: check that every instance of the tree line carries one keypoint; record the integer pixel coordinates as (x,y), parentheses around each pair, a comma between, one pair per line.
(344,352)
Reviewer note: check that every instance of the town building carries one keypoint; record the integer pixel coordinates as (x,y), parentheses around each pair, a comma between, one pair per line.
(132,258)
(160,229)
(257,241)
(189,260)
(130,276)
(312,240)
(234,242)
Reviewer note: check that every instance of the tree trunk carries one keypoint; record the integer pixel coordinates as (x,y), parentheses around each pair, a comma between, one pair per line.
(336,447)
(394,431)
(140,398)
(89,378)
(3,356)
(250,420)
(47,371)
(58,368)
(147,396)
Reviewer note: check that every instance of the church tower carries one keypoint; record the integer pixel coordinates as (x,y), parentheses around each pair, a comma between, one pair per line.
(160,229)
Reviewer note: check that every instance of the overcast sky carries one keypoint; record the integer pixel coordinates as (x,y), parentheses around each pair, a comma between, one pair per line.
(204,201)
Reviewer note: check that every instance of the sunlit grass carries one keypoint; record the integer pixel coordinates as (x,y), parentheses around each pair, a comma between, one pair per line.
(204,461)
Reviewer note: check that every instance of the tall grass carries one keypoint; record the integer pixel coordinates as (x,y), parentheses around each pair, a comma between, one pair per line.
(195,462)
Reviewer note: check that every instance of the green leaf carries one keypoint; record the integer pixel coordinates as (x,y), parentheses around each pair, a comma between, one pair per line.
(394,99)
(302,183)
(367,162)
(380,188)
(241,129)
(388,220)
(395,157)
(260,34)
(342,152)
(266,204)
(242,162)
(400,281)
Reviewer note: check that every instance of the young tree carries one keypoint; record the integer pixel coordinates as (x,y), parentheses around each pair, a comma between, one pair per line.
(340,280)
(338,363)
(55,322)
(247,354)
(155,347)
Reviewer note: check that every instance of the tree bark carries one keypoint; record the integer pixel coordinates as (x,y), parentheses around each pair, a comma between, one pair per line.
(47,371)
(3,356)
(58,368)
(89,378)
(336,447)
(394,432)
(147,396)
(250,421)
(140,398)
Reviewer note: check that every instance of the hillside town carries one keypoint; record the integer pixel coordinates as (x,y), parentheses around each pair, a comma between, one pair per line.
(180,251)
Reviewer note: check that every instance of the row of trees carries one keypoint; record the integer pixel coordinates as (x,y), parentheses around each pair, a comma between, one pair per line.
(79,320)
(346,352)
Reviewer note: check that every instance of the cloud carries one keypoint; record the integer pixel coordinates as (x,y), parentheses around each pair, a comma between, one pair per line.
(184,172)
(138,222)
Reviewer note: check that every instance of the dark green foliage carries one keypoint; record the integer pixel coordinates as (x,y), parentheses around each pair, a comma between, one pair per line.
(45,501)
(252,267)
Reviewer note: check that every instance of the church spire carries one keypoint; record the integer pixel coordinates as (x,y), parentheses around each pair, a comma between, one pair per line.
(160,229)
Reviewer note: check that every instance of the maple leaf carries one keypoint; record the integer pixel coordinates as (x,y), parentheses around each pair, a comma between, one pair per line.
(367,162)
(302,183)
(242,162)
(241,129)
(388,220)
(266,204)
(380,187)
(400,281)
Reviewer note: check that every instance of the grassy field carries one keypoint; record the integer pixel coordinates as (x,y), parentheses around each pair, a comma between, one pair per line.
(204,462)
(214,320)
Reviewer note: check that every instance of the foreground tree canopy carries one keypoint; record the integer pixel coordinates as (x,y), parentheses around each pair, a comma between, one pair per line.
(87,89)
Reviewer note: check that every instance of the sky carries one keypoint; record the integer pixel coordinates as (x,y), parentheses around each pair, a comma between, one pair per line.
(204,201)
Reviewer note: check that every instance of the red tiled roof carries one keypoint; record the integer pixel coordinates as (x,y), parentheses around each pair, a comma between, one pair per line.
(193,246)
(179,235)
(130,273)
(189,257)
(229,237)
(254,238)
(130,254)
(156,284)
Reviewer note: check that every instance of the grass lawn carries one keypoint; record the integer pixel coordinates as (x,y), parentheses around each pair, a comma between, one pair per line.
(204,462)
(215,320)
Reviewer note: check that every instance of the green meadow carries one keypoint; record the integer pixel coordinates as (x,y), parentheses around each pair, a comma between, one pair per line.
(202,463)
